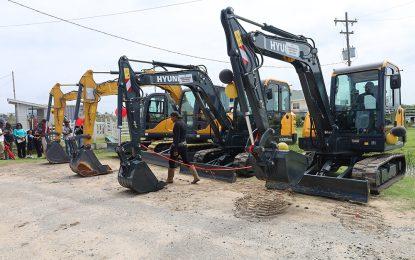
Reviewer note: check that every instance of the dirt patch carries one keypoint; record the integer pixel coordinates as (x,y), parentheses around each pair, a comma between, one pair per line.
(360,217)
(66,226)
(260,206)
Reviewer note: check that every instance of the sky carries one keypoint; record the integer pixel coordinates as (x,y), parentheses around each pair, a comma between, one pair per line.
(43,54)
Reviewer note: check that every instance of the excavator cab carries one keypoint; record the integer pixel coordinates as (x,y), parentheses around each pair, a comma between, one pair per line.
(280,117)
(366,102)
(156,113)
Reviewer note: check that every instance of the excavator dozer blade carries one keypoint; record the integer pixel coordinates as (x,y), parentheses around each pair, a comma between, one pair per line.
(56,154)
(290,172)
(86,164)
(152,158)
(212,172)
(138,177)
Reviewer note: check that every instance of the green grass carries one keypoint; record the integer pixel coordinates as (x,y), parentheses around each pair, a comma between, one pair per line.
(404,191)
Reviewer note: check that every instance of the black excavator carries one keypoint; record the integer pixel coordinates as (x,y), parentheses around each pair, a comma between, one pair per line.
(347,149)
(228,129)
(134,172)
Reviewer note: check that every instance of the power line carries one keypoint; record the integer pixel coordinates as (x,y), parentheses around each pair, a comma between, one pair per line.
(4,76)
(102,15)
(389,19)
(387,9)
(137,42)
(116,36)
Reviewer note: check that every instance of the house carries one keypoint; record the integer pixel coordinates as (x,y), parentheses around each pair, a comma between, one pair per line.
(298,103)
(27,113)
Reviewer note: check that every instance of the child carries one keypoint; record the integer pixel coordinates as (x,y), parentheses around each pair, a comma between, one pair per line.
(30,143)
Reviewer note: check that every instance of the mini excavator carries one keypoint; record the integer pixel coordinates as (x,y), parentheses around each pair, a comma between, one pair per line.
(349,137)
(54,152)
(83,161)
(230,136)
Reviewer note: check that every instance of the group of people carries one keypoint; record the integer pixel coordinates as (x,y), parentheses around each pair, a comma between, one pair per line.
(27,141)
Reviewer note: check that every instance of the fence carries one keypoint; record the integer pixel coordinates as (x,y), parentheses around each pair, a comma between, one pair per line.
(107,128)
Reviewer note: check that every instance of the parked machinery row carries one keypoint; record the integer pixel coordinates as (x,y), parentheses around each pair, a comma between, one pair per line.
(347,136)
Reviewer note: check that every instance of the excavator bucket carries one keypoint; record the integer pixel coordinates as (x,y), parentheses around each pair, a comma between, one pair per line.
(55,153)
(291,172)
(135,174)
(84,162)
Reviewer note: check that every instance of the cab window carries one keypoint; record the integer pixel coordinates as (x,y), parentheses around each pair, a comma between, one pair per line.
(156,109)
(187,107)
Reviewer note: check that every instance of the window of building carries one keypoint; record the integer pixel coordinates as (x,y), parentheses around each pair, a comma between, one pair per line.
(296,105)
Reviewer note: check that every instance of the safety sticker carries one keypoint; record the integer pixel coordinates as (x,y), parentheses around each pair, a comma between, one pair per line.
(238,38)
(292,49)
(126,73)
(185,79)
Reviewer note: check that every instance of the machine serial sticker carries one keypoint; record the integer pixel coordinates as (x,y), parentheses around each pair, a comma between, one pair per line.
(90,95)
(185,79)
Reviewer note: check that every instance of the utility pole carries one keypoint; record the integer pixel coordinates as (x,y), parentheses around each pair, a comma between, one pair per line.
(14,86)
(346,21)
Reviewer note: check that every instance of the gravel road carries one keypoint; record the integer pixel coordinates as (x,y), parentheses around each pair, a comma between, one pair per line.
(48,212)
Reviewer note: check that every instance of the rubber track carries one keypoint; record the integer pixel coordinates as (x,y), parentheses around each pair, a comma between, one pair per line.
(368,168)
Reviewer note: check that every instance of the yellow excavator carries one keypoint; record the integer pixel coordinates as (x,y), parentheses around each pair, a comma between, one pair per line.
(83,161)
(54,151)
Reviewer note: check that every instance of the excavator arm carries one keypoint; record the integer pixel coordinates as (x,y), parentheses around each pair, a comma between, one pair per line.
(54,151)
(243,50)
(83,161)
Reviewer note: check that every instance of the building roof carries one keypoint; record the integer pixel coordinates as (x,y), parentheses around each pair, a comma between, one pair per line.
(20,102)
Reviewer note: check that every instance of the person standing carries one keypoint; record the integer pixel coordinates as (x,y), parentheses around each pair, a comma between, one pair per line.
(37,140)
(30,143)
(66,134)
(8,136)
(179,148)
(44,131)
(79,130)
(2,154)
(20,136)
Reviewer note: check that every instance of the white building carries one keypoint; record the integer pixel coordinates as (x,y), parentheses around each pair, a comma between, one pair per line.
(27,113)
(298,103)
